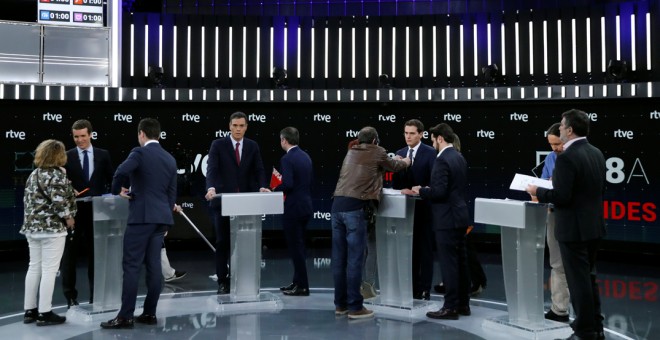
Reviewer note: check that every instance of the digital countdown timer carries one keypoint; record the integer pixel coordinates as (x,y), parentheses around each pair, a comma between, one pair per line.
(59,16)
(71,12)
(88,18)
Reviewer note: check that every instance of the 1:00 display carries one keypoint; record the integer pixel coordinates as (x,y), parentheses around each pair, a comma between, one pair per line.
(87,17)
(54,16)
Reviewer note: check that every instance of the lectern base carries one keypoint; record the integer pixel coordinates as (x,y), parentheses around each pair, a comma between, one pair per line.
(418,308)
(548,330)
(262,301)
(93,313)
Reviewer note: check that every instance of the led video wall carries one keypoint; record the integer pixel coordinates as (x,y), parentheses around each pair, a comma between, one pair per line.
(498,139)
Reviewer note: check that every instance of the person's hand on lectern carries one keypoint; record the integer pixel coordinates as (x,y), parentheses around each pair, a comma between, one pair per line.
(209,194)
(408,192)
(415,189)
(264,190)
(125,193)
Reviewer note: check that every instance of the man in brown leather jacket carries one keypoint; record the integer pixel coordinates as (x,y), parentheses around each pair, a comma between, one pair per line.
(357,193)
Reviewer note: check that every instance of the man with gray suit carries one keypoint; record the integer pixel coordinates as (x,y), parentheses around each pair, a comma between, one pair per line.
(578,184)
(151,173)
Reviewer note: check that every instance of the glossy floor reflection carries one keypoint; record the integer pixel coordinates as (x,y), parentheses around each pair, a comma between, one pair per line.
(188,308)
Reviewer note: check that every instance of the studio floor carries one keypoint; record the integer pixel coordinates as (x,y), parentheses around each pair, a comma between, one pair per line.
(189,308)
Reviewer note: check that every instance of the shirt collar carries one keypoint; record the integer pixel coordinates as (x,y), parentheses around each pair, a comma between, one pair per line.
(570,142)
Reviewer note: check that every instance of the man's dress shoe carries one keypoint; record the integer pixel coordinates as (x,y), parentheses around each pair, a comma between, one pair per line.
(425,295)
(71,302)
(223,289)
(550,315)
(443,314)
(289,287)
(146,319)
(440,289)
(296,291)
(465,311)
(117,323)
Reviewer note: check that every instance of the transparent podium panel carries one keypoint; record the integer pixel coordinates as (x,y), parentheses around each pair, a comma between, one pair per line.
(245,211)
(245,265)
(110,214)
(394,235)
(523,244)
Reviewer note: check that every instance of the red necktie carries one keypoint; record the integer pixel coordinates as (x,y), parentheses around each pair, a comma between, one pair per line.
(238,154)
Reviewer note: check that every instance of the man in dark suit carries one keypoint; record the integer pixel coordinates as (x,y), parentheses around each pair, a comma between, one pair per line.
(234,165)
(578,183)
(297,176)
(447,193)
(90,171)
(151,173)
(418,173)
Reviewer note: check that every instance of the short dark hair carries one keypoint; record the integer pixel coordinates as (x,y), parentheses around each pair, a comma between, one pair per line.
(82,124)
(444,130)
(150,127)
(578,120)
(416,123)
(553,129)
(291,135)
(368,135)
(238,115)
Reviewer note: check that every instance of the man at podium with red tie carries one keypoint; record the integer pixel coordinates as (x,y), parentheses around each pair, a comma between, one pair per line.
(234,165)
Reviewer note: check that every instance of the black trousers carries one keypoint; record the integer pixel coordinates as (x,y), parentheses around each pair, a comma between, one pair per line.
(79,244)
(453,266)
(294,232)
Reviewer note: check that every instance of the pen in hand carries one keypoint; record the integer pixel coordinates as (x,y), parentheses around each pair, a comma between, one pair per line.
(82,192)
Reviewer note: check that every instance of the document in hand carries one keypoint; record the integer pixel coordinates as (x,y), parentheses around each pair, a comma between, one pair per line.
(520,182)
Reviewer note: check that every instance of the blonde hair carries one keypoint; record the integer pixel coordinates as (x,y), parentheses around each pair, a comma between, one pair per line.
(50,154)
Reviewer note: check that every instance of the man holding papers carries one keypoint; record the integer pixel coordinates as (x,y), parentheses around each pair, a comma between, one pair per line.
(578,185)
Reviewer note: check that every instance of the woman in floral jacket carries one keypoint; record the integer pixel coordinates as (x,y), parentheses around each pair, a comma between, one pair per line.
(49,203)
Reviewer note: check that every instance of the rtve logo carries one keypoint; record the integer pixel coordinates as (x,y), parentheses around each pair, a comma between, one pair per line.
(452,117)
(318,215)
(253,117)
(654,115)
(11,134)
(187,117)
(623,134)
(221,133)
(486,134)
(122,118)
(388,118)
(519,117)
(321,118)
(52,117)
(352,133)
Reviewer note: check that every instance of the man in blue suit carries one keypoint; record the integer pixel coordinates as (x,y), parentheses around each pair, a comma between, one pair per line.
(151,172)
(234,165)
(90,171)
(297,176)
(418,173)
(447,193)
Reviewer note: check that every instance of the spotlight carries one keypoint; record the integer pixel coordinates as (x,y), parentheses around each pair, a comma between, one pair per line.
(384,81)
(279,77)
(490,73)
(617,70)
(156,77)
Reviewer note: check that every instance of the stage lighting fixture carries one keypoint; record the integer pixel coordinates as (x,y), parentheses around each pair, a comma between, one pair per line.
(617,70)
(384,81)
(156,75)
(490,73)
(279,78)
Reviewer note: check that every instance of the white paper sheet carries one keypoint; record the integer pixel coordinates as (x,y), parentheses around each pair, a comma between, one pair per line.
(520,182)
